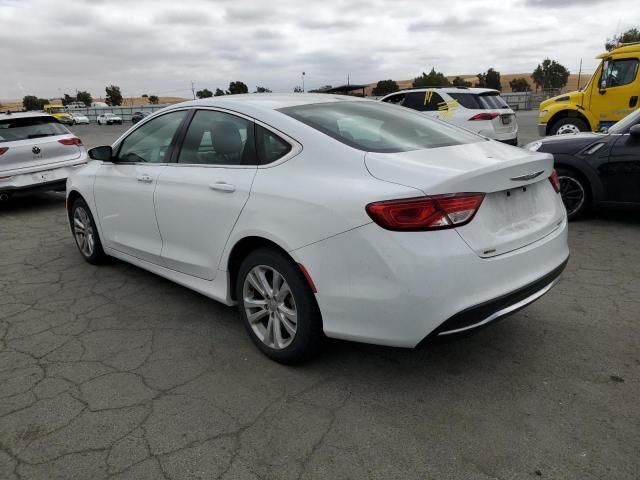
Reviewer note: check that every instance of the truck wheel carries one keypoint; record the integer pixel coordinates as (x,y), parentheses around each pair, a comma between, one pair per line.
(569,125)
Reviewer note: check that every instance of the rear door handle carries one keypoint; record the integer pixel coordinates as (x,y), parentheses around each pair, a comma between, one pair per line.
(145,178)
(633,101)
(223,187)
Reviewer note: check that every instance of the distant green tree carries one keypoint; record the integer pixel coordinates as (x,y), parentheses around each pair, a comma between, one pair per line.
(297,89)
(237,87)
(262,90)
(113,97)
(550,75)
(433,79)
(218,93)
(489,79)
(631,35)
(460,82)
(144,95)
(204,93)
(520,85)
(153,99)
(31,102)
(385,87)
(84,97)
(67,99)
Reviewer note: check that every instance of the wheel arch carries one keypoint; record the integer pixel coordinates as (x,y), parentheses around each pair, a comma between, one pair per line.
(594,184)
(569,113)
(240,250)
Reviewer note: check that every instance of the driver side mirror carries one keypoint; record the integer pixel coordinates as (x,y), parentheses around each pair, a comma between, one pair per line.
(603,87)
(103,153)
(634,131)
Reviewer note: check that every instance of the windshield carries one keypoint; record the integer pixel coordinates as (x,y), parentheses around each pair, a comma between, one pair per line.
(627,122)
(56,109)
(25,128)
(379,127)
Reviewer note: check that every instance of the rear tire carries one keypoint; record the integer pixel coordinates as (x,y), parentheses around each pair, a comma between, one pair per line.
(575,193)
(569,125)
(278,307)
(85,233)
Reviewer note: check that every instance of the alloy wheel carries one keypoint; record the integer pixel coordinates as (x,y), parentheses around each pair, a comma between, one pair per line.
(270,307)
(83,231)
(572,193)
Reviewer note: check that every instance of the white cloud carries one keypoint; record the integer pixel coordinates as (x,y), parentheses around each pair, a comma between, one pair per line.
(151,46)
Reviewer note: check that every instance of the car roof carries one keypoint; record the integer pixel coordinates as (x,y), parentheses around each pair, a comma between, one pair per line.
(450,90)
(270,101)
(9,116)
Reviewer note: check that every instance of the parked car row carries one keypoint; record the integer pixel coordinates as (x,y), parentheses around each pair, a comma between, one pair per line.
(326,216)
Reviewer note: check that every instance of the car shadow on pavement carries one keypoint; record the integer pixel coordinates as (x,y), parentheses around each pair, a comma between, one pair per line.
(23,203)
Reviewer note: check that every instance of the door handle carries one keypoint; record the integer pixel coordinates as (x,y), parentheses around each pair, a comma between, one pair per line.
(145,178)
(223,187)
(633,101)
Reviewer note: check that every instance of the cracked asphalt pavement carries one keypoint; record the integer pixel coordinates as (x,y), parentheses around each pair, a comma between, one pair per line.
(113,373)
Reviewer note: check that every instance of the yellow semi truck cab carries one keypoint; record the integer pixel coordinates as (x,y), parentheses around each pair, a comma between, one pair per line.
(59,112)
(611,94)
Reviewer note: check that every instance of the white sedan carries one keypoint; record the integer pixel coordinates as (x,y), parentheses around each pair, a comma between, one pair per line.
(326,216)
(108,119)
(80,119)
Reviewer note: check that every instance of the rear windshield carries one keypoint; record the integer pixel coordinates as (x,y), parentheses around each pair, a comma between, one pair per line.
(379,127)
(482,101)
(25,128)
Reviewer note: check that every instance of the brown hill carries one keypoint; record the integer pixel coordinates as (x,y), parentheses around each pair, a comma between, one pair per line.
(505,78)
(16,105)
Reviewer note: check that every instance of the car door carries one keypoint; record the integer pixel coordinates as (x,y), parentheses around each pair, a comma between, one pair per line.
(622,177)
(616,94)
(200,196)
(123,189)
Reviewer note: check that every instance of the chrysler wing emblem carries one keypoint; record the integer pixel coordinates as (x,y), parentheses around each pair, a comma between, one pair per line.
(527,176)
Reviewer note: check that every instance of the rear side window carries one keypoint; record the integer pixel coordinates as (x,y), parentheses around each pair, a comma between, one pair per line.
(270,147)
(15,129)
(475,101)
(377,127)
(218,138)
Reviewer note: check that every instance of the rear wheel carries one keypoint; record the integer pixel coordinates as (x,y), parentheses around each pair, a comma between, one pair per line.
(574,191)
(85,233)
(278,307)
(569,125)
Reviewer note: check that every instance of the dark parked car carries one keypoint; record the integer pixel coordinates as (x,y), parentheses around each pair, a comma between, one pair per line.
(137,116)
(597,169)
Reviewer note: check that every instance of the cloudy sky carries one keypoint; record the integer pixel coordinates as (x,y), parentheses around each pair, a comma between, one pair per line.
(49,47)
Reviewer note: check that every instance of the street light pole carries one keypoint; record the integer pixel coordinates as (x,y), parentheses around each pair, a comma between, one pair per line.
(303,82)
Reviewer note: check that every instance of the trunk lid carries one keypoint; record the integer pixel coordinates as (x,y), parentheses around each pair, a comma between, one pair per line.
(36,154)
(520,205)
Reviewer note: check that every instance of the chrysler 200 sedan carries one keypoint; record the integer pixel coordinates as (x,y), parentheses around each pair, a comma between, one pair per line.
(323,215)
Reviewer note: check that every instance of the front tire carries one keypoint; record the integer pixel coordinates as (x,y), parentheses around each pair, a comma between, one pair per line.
(575,193)
(278,307)
(569,125)
(85,233)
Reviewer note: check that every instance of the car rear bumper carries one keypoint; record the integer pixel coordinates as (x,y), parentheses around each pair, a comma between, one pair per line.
(45,179)
(397,288)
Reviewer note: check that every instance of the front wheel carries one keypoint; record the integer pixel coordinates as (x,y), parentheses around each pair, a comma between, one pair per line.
(569,125)
(278,307)
(574,191)
(85,233)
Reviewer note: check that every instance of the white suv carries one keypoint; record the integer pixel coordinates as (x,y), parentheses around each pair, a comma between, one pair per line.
(481,110)
(37,152)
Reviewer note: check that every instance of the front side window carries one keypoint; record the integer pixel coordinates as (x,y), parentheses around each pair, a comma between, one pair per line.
(395,99)
(376,127)
(150,143)
(428,101)
(26,128)
(218,138)
(619,72)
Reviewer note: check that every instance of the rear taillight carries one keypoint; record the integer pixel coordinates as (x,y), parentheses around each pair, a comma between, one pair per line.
(3,150)
(485,116)
(70,141)
(426,213)
(555,181)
